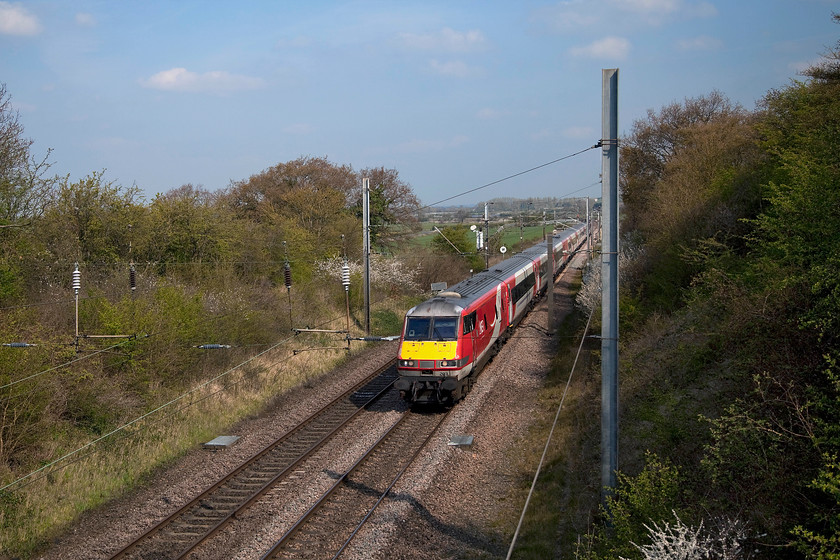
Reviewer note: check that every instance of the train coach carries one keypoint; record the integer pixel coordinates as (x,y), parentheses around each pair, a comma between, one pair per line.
(447,339)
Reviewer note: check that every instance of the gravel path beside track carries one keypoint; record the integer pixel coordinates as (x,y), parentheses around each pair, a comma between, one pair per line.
(447,506)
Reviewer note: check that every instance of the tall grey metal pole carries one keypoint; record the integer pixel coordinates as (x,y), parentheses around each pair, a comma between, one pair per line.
(366,248)
(549,290)
(609,282)
(588,233)
(486,237)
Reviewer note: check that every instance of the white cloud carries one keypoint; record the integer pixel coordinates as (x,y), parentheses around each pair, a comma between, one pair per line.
(445,40)
(15,19)
(454,68)
(85,20)
(487,114)
(700,43)
(609,48)
(580,132)
(217,81)
(418,146)
(575,15)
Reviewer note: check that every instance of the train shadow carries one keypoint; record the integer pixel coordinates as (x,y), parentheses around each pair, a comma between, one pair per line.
(480,541)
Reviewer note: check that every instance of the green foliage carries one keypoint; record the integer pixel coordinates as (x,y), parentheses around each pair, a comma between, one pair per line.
(90,220)
(688,174)
(456,240)
(739,216)
(650,496)
(11,284)
(385,323)
(824,543)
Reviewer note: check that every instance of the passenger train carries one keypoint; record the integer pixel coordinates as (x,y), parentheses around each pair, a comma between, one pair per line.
(447,339)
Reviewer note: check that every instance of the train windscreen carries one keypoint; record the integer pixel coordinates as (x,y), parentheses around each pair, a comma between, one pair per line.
(431,328)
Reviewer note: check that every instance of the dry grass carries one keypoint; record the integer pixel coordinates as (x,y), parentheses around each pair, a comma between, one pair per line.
(49,500)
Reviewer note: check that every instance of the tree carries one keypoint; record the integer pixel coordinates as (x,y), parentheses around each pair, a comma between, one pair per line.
(187,225)
(24,191)
(23,187)
(393,207)
(455,240)
(828,69)
(308,201)
(688,174)
(655,141)
(261,195)
(90,220)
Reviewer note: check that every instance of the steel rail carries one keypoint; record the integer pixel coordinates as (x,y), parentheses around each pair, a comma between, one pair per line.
(298,430)
(284,540)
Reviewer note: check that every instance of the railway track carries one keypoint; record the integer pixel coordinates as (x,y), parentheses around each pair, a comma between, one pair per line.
(329,526)
(195,522)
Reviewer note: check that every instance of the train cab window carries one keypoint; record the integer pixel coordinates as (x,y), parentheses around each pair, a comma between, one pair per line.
(445,328)
(431,328)
(469,323)
(417,328)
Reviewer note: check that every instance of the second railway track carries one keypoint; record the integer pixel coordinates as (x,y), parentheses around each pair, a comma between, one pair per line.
(329,525)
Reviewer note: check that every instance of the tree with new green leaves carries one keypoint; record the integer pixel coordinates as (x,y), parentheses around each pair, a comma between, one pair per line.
(24,191)
(261,196)
(188,225)
(90,220)
(308,200)
(797,243)
(458,240)
(655,141)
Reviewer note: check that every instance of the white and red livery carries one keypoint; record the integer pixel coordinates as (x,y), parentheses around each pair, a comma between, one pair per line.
(447,339)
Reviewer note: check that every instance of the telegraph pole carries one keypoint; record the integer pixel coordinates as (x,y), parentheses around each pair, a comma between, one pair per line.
(609,282)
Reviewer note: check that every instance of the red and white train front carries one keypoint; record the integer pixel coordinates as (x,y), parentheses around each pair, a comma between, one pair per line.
(447,339)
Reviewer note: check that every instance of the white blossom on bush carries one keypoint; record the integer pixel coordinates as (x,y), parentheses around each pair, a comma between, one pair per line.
(680,542)
(589,296)
(384,271)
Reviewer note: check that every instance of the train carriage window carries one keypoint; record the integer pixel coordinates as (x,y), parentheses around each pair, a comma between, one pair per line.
(469,323)
(523,287)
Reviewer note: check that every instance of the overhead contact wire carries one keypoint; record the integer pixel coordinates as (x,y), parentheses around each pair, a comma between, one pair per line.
(496,182)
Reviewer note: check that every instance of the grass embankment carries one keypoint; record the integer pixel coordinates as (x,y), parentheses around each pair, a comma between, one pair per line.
(43,505)
(567,492)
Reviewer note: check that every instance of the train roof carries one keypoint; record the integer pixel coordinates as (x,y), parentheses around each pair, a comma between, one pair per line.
(461,295)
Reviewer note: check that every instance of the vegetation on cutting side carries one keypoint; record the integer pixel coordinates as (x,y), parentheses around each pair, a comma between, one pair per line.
(729,392)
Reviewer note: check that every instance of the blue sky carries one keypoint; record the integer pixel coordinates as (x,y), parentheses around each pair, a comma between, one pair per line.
(452,94)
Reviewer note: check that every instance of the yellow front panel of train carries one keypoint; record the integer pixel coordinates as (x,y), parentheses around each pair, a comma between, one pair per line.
(429,350)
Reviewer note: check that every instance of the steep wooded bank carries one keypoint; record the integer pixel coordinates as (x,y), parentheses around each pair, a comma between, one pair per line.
(730,316)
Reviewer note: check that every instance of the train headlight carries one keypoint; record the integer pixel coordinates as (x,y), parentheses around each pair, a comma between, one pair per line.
(449,363)
(407,363)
